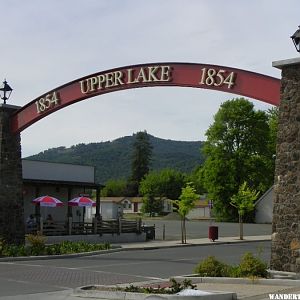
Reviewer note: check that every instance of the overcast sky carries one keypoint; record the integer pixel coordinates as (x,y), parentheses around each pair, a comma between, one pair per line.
(45,44)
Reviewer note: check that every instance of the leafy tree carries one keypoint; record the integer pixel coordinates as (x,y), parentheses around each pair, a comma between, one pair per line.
(273,126)
(197,178)
(185,205)
(237,150)
(114,188)
(165,183)
(152,205)
(243,201)
(142,151)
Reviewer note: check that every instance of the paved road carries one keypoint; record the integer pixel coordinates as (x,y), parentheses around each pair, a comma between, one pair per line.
(199,229)
(21,278)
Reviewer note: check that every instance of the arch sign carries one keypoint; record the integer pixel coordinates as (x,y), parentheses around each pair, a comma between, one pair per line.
(225,79)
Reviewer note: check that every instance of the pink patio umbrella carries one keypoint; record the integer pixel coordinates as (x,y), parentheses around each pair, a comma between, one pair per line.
(82,201)
(47,201)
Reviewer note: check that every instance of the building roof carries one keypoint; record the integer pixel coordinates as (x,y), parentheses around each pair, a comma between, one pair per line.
(264,195)
(112,199)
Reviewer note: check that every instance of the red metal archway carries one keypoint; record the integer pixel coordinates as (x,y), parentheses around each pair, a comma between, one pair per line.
(225,79)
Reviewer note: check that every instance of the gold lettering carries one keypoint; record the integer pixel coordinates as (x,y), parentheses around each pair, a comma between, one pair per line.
(130,75)
(118,78)
(141,75)
(84,87)
(109,79)
(93,83)
(166,73)
(151,75)
(101,79)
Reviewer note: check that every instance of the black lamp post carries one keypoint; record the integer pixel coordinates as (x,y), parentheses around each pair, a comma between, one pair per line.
(5,91)
(296,39)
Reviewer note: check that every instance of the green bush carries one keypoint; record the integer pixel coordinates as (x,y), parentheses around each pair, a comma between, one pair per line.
(251,265)
(2,246)
(37,243)
(68,247)
(37,246)
(211,267)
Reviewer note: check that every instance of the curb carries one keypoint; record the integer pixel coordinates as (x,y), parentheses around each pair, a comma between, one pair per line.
(153,247)
(57,256)
(230,280)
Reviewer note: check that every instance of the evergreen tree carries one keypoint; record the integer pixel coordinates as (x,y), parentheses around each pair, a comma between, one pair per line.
(141,157)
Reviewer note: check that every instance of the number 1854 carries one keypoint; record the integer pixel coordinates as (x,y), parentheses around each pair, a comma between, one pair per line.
(217,77)
(47,102)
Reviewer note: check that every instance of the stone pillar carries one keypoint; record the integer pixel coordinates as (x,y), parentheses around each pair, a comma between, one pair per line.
(285,251)
(12,227)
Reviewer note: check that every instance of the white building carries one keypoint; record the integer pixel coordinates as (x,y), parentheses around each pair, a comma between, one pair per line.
(264,207)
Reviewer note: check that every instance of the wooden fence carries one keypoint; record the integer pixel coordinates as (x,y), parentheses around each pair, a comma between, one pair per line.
(114,226)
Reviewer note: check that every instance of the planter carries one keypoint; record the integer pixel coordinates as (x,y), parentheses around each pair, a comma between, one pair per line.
(110,292)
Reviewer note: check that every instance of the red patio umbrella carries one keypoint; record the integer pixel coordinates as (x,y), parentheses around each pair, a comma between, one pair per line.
(47,201)
(82,201)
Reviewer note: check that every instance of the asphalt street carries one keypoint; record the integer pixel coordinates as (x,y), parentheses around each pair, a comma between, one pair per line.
(29,277)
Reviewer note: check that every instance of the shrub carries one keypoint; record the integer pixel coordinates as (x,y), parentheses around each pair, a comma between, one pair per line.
(2,246)
(67,247)
(252,266)
(211,267)
(175,287)
(37,243)
(37,246)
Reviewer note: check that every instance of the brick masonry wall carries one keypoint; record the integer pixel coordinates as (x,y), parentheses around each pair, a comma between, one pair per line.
(12,227)
(286,212)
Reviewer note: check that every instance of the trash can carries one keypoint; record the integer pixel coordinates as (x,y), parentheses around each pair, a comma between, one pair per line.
(213,233)
(150,232)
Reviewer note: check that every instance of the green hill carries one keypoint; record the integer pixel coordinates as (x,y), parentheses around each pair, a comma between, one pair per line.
(113,159)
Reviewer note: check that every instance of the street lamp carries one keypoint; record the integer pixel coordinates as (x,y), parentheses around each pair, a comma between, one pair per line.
(296,39)
(5,91)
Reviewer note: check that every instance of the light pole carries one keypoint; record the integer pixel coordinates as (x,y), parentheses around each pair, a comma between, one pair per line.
(296,39)
(5,91)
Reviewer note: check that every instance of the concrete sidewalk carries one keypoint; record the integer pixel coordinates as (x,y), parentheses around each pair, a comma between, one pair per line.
(192,242)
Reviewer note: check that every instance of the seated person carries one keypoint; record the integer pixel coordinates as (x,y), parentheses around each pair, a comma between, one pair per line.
(31,221)
(49,219)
